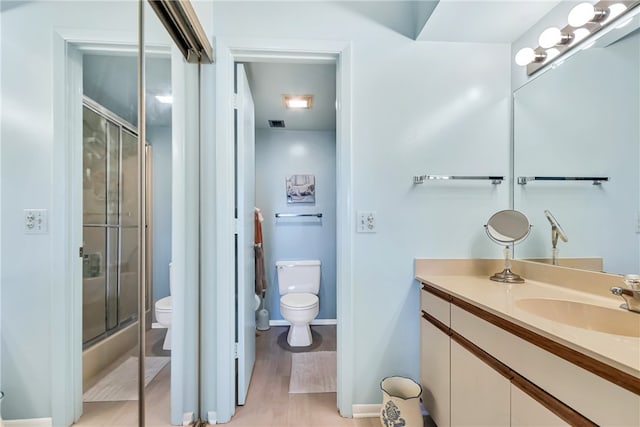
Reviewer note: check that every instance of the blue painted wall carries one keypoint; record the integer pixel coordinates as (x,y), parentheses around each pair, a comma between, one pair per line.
(160,139)
(286,152)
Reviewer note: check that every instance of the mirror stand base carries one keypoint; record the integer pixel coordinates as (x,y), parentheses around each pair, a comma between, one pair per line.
(507,276)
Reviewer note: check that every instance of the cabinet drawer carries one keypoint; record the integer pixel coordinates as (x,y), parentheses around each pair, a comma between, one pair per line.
(436,306)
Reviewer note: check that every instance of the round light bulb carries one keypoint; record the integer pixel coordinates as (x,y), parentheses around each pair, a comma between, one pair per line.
(525,56)
(615,10)
(580,34)
(552,53)
(581,14)
(550,37)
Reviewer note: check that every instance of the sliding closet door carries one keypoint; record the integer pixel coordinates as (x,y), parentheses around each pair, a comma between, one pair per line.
(94,185)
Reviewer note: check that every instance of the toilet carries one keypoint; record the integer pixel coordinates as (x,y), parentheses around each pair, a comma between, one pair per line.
(164,309)
(299,283)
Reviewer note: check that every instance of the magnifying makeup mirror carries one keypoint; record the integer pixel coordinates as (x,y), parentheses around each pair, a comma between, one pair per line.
(556,231)
(507,228)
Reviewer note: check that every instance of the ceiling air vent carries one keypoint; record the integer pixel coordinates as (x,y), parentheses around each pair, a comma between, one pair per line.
(276,123)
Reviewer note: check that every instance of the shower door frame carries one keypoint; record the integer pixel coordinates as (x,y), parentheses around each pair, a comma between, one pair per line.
(123,126)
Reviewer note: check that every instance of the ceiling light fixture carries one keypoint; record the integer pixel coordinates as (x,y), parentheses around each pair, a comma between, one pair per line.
(165,99)
(298,102)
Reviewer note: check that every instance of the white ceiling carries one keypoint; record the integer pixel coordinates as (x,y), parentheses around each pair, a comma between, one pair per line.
(269,81)
(475,21)
(481,21)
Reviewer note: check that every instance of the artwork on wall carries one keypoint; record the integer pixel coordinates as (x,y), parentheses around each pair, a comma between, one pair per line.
(301,188)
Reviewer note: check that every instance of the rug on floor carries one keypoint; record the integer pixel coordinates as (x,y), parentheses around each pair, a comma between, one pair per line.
(313,372)
(122,382)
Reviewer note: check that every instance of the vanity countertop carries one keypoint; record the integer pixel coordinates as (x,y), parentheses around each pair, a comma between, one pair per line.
(621,352)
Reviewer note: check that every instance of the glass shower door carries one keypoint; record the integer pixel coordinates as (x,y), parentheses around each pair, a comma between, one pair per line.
(110,232)
(129,229)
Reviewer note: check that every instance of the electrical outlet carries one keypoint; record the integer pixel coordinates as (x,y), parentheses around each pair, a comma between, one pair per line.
(36,221)
(366,222)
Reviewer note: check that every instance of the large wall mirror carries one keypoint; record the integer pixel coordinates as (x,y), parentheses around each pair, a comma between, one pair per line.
(580,119)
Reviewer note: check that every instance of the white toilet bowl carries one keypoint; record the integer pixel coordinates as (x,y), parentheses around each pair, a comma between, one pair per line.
(299,309)
(164,309)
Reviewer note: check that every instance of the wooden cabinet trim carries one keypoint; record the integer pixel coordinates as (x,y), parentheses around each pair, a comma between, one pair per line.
(588,363)
(554,405)
(435,322)
(437,292)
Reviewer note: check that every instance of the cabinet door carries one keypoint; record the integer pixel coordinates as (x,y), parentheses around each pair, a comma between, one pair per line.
(480,396)
(526,411)
(434,372)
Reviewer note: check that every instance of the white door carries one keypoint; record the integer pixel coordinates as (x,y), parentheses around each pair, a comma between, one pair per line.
(245,204)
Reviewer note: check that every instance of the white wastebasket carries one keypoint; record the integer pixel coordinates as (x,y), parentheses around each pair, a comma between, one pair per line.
(400,403)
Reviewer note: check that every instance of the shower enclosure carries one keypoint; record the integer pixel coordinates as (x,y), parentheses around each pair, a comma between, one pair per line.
(110,223)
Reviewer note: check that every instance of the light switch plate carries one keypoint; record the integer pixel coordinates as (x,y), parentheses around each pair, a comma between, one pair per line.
(36,221)
(366,222)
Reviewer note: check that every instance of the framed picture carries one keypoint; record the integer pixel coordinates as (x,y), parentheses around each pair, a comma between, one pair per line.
(301,188)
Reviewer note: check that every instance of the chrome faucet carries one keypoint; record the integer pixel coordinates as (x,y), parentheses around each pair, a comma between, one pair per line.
(630,296)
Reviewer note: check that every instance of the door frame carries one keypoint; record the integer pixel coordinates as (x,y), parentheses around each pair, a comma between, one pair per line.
(221,385)
(66,219)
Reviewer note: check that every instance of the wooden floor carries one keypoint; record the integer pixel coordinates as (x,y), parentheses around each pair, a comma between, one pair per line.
(268,401)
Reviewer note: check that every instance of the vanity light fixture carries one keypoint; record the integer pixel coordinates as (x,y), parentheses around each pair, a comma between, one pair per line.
(586,12)
(584,20)
(298,102)
(615,10)
(527,55)
(553,36)
(579,34)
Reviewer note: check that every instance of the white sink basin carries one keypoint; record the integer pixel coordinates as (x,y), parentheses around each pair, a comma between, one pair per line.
(585,316)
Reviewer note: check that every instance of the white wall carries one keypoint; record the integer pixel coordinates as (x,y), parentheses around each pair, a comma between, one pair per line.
(418,107)
(280,153)
(29,282)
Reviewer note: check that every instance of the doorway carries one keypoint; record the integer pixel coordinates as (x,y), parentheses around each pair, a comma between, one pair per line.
(321,52)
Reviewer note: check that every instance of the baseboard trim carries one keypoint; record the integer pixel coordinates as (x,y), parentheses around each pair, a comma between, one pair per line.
(33,422)
(317,322)
(366,411)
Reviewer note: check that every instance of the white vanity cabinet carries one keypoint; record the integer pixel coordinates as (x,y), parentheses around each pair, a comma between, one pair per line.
(435,359)
(479,394)
(527,412)
(480,369)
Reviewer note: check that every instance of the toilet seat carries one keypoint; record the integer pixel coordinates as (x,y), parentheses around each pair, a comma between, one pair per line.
(164,304)
(299,301)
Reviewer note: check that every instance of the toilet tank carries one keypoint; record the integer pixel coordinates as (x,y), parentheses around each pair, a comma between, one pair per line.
(298,276)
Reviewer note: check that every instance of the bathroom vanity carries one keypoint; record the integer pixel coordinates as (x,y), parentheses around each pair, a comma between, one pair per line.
(555,350)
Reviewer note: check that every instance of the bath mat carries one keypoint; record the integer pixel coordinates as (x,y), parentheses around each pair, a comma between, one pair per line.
(122,382)
(313,372)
